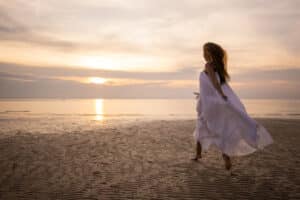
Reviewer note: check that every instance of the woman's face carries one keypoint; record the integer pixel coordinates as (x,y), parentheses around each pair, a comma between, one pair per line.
(206,55)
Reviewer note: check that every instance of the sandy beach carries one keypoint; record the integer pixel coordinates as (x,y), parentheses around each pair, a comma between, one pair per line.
(145,160)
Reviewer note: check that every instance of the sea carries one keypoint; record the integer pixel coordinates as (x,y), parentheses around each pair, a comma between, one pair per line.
(67,115)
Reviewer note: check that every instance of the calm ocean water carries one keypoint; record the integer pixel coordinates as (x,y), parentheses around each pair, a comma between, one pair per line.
(52,115)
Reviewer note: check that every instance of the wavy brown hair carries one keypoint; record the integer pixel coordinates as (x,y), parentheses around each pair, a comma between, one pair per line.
(219,60)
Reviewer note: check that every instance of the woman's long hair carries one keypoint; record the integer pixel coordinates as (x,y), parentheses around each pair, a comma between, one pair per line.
(219,60)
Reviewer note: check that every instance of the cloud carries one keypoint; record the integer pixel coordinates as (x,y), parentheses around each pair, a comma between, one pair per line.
(165,29)
(25,81)
(12,30)
(46,39)
(279,24)
(186,73)
(51,88)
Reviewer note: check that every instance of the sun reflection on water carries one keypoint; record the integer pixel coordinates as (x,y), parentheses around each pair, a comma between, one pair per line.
(99,109)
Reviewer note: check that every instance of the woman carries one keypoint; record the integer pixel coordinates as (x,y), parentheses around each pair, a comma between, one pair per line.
(222,119)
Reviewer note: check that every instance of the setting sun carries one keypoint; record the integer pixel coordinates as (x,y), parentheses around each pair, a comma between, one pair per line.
(96,80)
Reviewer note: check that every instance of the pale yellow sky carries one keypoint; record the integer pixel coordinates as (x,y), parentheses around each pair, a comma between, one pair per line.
(148,36)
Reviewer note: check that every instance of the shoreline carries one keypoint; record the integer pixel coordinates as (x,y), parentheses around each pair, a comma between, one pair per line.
(146,160)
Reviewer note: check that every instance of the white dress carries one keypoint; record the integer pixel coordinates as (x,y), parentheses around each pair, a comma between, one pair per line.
(226,124)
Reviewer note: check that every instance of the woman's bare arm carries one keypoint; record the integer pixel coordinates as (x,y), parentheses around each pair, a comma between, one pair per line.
(213,79)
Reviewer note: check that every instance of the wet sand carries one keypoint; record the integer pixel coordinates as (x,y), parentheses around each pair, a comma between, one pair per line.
(145,160)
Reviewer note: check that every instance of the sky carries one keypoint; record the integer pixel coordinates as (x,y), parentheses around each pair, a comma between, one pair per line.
(146,48)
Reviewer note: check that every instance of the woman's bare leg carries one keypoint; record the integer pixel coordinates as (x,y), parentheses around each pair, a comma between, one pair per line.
(198,151)
(227,161)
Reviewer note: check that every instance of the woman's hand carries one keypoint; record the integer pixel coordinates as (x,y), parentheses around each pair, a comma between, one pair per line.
(197,94)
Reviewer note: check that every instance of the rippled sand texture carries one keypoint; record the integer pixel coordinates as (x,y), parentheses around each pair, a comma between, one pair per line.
(145,160)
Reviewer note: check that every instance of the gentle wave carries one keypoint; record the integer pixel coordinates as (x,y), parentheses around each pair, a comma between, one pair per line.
(15,111)
(28,113)
(294,114)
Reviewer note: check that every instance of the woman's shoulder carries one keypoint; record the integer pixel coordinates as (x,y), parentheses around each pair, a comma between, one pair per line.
(210,65)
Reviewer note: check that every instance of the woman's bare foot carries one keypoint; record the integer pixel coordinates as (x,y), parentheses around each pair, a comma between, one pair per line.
(196,158)
(198,152)
(227,161)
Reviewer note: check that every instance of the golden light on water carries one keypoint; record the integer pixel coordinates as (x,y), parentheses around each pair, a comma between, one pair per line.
(99,109)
